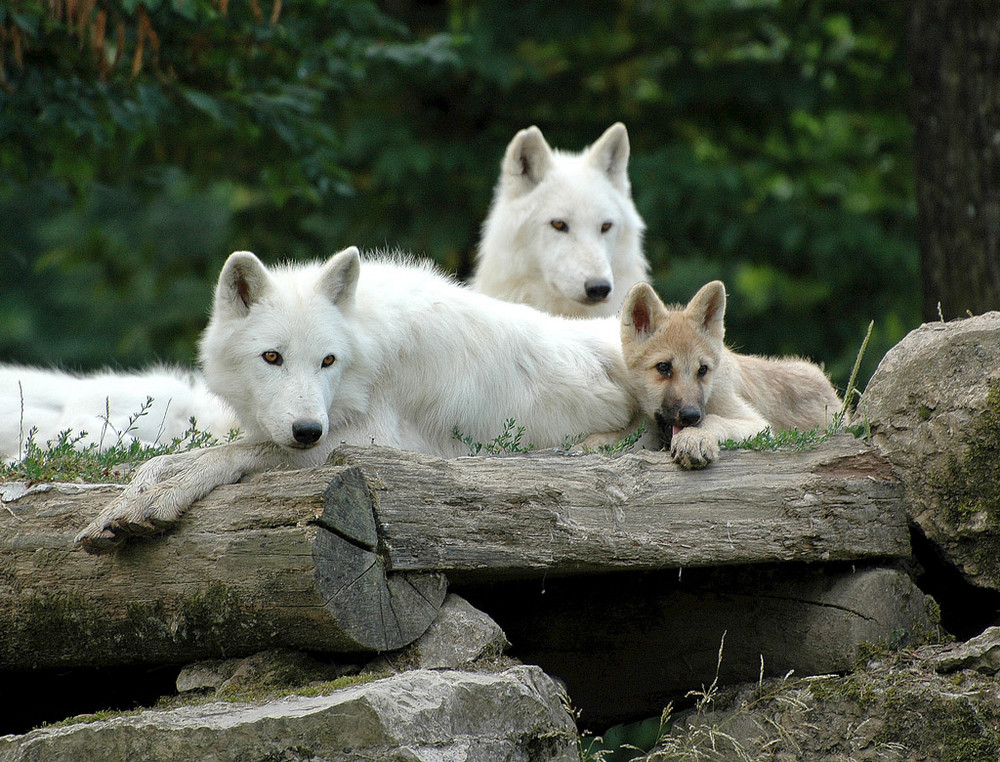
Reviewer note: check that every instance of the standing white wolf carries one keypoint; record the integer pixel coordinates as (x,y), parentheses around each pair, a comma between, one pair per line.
(388,352)
(563,234)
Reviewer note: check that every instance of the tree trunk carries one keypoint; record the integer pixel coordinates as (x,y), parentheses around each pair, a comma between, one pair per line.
(326,559)
(544,514)
(954,48)
(251,567)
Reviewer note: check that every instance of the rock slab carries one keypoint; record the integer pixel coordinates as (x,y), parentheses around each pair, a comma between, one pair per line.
(458,636)
(518,715)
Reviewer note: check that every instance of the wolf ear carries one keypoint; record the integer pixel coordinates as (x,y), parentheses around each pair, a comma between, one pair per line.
(526,161)
(610,155)
(641,313)
(243,282)
(338,279)
(708,308)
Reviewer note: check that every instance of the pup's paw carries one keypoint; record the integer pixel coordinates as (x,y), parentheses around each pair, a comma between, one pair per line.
(693,448)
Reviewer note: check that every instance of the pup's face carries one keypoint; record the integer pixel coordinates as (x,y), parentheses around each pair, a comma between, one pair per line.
(672,354)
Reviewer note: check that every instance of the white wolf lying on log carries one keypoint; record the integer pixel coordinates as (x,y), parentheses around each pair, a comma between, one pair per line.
(386,352)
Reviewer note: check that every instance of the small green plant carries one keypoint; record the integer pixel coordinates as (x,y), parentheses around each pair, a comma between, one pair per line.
(67,458)
(705,734)
(507,441)
(768,440)
(624,444)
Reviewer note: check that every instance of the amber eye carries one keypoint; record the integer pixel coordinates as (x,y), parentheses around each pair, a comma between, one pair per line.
(665,369)
(606,227)
(702,371)
(328,361)
(560,225)
(272,358)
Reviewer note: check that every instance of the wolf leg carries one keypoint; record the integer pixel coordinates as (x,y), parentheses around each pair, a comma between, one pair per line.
(163,488)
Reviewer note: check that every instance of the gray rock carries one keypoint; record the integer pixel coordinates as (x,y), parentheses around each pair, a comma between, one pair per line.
(458,636)
(274,669)
(980,654)
(897,709)
(933,407)
(518,715)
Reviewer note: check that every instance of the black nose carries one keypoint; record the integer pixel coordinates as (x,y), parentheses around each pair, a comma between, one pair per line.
(688,416)
(307,432)
(597,289)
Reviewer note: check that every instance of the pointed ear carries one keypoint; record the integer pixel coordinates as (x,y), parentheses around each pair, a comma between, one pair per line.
(610,155)
(641,313)
(338,279)
(708,308)
(242,283)
(526,161)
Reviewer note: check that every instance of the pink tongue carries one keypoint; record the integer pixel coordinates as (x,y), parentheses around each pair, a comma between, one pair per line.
(674,432)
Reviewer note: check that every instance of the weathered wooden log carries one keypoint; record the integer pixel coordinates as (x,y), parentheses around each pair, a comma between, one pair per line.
(305,559)
(546,514)
(255,566)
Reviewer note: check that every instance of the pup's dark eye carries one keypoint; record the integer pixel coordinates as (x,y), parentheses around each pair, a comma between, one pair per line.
(702,371)
(665,369)
(606,227)
(328,361)
(273,358)
(560,225)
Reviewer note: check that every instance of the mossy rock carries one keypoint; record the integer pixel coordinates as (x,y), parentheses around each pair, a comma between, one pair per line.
(898,708)
(933,409)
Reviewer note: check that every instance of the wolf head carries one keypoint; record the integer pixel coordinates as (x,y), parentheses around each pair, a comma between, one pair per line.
(278,343)
(672,353)
(563,229)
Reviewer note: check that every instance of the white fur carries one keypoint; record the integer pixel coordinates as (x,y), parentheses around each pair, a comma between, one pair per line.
(103,409)
(417,356)
(523,257)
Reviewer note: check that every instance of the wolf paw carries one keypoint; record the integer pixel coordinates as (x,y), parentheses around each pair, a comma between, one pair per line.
(155,499)
(692,448)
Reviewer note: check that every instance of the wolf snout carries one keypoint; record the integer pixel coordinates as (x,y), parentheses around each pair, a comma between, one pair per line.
(688,416)
(306,433)
(596,289)
(670,421)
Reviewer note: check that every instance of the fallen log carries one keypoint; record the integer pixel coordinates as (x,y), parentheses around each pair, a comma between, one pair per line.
(254,566)
(484,519)
(325,560)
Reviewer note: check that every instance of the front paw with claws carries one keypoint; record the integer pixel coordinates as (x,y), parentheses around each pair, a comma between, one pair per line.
(160,491)
(692,448)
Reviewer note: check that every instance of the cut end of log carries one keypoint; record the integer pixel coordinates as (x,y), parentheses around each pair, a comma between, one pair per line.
(377,609)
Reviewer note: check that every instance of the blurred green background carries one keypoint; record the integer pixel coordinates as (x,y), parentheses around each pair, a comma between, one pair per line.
(141,143)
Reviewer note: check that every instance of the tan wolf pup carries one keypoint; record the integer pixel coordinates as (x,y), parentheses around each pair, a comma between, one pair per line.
(698,391)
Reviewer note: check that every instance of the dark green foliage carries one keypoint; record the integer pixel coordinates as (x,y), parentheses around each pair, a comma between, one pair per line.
(770,148)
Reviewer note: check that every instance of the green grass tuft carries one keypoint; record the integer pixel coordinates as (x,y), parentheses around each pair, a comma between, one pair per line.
(769,441)
(65,459)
